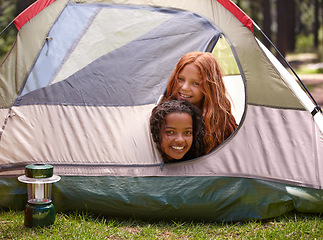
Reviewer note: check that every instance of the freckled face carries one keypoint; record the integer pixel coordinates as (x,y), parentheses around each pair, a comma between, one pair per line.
(189,85)
(177,135)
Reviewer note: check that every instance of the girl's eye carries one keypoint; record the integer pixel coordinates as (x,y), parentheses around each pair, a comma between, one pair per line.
(196,83)
(188,133)
(169,132)
(179,79)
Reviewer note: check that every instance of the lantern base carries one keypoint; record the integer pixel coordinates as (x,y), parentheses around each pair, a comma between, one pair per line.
(41,215)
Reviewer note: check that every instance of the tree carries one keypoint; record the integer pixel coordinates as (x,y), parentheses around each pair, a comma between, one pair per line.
(267,20)
(285,40)
(316,23)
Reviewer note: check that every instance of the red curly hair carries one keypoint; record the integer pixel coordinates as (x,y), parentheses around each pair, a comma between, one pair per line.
(219,123)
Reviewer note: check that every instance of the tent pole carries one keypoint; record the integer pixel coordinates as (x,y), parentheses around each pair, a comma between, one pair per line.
(317,107)
(7,27)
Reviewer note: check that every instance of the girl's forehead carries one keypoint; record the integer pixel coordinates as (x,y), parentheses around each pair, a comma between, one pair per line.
(178,117)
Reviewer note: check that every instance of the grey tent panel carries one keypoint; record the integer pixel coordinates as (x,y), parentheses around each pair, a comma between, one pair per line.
(116,79)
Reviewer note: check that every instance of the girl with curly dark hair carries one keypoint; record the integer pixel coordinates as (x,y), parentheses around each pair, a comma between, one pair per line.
(177,130)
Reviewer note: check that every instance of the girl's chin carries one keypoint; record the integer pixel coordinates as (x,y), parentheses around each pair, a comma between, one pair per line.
(177,156)
(174,157)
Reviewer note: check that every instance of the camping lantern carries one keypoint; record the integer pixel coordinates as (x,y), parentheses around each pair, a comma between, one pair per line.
(39,210)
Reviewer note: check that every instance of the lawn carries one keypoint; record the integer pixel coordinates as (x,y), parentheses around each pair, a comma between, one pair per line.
(86,226)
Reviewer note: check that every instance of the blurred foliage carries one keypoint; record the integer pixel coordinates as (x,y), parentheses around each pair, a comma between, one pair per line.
(7,14)
(304,43)
(305,22)
(320,48)
(305,8)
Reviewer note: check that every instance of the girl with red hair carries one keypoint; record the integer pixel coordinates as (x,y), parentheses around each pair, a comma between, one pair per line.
(197,78)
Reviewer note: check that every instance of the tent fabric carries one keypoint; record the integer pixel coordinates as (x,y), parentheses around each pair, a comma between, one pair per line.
(234,9)
(216,199)
(141,73)
(24,52)
(103,152)
(80,99)
(30,12)
(117,135)
(262,79)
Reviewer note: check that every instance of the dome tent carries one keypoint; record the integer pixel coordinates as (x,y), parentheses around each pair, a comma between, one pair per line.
(77,89)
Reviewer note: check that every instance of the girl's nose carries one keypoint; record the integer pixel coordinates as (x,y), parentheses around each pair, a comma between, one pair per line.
(179,138)
(186,86)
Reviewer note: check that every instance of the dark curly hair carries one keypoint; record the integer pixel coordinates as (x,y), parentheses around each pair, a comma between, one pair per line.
(157,119)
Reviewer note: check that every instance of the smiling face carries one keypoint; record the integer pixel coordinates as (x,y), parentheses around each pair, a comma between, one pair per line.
(177,135)
(189,85)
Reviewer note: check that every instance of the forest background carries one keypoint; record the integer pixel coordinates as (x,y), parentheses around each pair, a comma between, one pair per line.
(295,27)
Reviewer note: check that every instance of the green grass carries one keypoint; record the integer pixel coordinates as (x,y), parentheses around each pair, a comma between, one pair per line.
(86,226)
(309,71)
